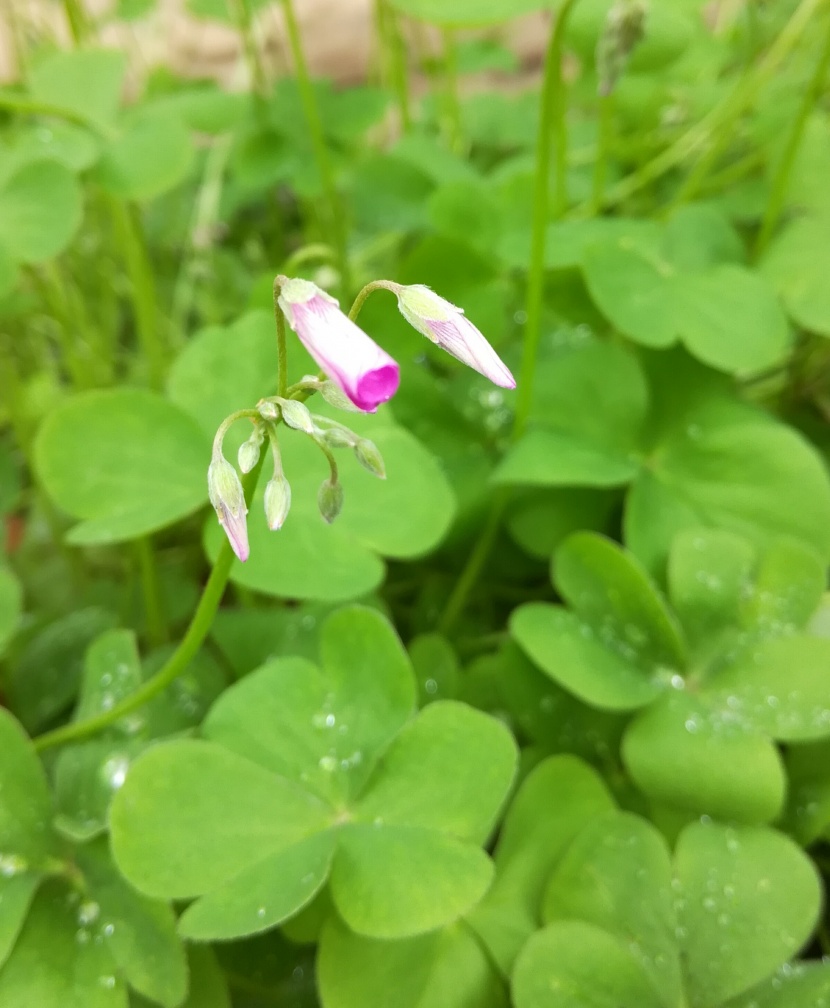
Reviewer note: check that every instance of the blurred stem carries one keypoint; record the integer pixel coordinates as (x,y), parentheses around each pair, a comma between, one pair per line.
(157,629)
(54,292)
(455,132)
(720,120)
(778,193)
(392,45)
(551,125)
(318,140)
(245,26)
(76,16)
(605,123)
(130,237)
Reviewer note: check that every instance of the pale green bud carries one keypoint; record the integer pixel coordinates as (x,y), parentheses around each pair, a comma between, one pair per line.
(330,500)
(623,31)
(296,415)
(249,450)
(336,437)
(277,502)
(267,409)
(370,458)
(228,499)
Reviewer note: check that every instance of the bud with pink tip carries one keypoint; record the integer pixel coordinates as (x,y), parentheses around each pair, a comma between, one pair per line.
(446,325)
(367,374)
(228,498)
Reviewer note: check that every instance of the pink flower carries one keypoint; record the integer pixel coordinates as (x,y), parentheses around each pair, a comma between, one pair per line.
(367,375)
(228,499)
(446,325)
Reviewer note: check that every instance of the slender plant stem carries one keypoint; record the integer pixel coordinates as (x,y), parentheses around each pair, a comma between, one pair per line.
(318,140)
(245,26)
(391,42)
(77,19)
(25,106)
(364,293)
(605,124)
(193,639)
(475,562)
(721,117)
(53,290)
(142,286)
(551,124)
(157,629)
(455,132)
(282,346)
(778,193)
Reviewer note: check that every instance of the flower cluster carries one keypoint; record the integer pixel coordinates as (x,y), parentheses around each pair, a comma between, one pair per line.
(357,375)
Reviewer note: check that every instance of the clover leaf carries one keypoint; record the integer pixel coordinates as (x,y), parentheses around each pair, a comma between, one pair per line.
(310,775)
(710,711)
(689,451)
(626,922)
(68,909)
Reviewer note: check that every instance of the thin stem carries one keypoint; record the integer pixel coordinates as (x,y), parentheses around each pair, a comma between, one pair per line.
(308,253)
(157,629)
(193,639)
(282,346)
(392,44)
(455,132)
(722,116)
(551,123)
(605,122)
(364,293)
(142,286)
(778,193)
(318,140)
(77,19)
(475,563)
(245,26)
(25,106)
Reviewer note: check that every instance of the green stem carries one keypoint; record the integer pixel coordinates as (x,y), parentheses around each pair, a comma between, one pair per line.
(282,346)
(722,116)
(69,334)
(142,286)
(780,181)
(318,140)
(455,132)
(157,629)
(551,124)
(25,106)
(193,639)
(475,563)
(605,122)
(364,292)
(76,16)
(307,253)
(245,26)
(392,42)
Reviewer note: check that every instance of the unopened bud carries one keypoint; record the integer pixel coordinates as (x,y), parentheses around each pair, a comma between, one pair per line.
(330,500)
(334,397)
(228,499)
(296,415)
(623,31)
(370,458)
(277,502)
(337,437)
(267,409)
(249,450)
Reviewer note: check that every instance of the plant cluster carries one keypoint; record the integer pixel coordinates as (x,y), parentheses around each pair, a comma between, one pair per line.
(523,698)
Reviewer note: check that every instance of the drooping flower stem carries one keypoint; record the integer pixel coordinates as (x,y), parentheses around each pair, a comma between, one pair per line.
(552,129)
(778,191)
(318,140)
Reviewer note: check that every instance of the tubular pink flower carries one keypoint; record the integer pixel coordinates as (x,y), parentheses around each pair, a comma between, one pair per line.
(366,374)
(446,325)
(228,499)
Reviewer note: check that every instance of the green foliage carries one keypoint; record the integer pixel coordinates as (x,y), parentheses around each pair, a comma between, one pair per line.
(542,718)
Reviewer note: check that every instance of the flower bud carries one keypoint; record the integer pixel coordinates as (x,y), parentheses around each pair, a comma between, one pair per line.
(277,501)
(249,450)
(624,29)
(370,458)
(267,409)
(334,397)
(446,325)
(296,415)
(228,499)
(330,500)
(336,437)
